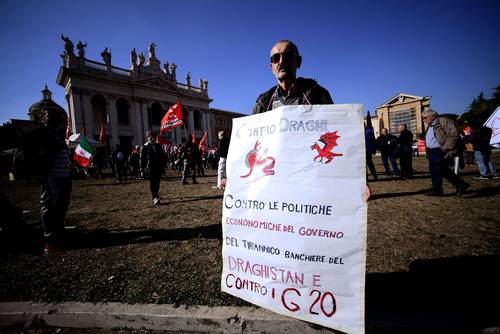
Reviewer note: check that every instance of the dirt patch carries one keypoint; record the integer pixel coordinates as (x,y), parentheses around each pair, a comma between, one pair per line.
(123,249)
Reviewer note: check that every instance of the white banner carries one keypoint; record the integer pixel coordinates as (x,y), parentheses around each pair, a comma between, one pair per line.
(494,124)
(294,215)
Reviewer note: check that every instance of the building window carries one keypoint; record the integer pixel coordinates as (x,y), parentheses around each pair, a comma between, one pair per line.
(122,109)
(406,116)
(98,110)
(197,119)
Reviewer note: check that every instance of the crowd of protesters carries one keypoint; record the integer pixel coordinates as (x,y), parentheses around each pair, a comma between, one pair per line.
(448,150)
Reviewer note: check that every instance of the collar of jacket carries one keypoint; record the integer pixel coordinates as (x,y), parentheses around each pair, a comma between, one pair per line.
(301,86)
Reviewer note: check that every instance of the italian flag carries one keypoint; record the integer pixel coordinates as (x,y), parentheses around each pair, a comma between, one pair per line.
(83,152)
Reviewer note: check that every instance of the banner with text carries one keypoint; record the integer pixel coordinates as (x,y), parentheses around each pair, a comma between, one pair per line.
(294,215)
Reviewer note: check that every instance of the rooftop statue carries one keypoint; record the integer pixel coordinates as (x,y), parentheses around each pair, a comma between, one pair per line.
(172,68)
(106,56)
(188,79)
(81,49)
(152,52)
(68,45)
(141,59)
(133,58)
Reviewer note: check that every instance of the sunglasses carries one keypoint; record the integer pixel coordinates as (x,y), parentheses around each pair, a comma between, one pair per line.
(287,55)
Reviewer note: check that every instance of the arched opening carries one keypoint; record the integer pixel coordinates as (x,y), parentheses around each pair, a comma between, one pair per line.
(198,120)
(185,117)
(122,109)
(98,110)
(156,113)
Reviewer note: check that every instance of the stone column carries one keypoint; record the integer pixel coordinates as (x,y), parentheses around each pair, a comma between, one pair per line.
(71,111)
(138,123)
(207,127)
(87,113)
(74,100)
(191,121)
(145,118)
(113,119)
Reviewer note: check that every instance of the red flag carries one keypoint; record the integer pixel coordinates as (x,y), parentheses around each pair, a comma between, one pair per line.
(102,134)
(202,141)
(193,139)
(173,118)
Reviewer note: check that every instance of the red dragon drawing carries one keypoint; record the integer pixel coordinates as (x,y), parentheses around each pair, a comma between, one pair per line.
(254,161)
(330,141)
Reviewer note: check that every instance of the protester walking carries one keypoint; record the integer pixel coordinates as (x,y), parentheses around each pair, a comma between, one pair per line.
(441,140)
(188,155)
(480,139)
(44,156)
(118,158)
(153,160)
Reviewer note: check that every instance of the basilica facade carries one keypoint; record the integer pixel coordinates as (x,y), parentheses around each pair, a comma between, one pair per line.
(129,102)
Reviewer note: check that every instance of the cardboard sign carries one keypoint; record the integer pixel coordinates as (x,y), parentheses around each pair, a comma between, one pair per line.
(294,215)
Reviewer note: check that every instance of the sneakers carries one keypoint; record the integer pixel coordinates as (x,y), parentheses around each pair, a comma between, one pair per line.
(156,201)
(481,177)
(216,188)
(494,177)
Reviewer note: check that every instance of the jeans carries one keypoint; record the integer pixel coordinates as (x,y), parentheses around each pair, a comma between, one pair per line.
(394,163)
(154,183)
(370,165)
(485,164)
(439,169)
(55,195)
(189,167)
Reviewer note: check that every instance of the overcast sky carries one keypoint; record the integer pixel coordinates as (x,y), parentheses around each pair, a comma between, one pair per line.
(361,51)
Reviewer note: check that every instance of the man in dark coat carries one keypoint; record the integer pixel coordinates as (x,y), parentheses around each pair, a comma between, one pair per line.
(153,160)
(387,145)
(405,143)
(44,156)
(188,153)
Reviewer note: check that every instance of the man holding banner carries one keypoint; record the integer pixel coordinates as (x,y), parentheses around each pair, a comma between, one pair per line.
(294,212)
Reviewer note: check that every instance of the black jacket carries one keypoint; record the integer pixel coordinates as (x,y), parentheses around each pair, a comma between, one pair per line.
(153,157)
(480,139)
(387,144)
(301,90)
(405,141)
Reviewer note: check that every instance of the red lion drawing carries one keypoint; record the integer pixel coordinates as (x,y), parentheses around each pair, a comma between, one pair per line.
(330,141)
(254,161)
